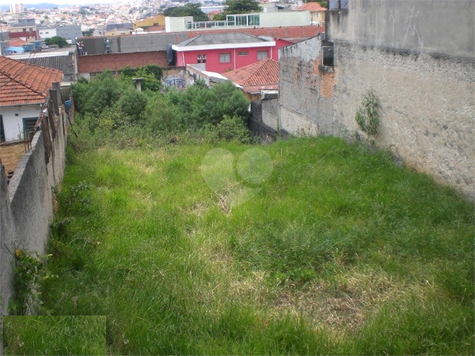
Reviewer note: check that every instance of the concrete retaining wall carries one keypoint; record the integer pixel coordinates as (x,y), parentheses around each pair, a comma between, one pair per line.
(27,203)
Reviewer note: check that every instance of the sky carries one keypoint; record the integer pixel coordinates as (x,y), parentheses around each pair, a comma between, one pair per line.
(58,2)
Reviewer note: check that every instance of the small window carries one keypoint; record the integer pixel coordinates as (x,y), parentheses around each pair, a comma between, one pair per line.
(224,57)
(203,58)
(198,58)
(261,55)
(243,53)
(28,126)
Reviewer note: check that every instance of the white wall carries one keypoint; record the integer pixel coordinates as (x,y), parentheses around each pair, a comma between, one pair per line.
(13,119)
(47,33)
(288,18)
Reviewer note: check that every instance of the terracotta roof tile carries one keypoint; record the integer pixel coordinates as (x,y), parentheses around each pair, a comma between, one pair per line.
(23,83)
(311,6)
(262,73)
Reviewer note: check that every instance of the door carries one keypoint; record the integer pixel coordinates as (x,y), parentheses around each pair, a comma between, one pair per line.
(2,133)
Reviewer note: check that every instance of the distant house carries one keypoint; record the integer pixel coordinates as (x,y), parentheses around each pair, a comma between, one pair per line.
(256,78)
(317,12)
(221,52)
(24,89)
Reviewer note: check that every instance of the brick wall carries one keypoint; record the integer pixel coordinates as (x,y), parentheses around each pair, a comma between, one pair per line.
(117,61)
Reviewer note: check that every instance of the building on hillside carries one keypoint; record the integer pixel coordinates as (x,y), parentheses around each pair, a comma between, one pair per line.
(239,21)
(155,21)
(152,48)
(69,32)
(221,52)
(317,12)
(24,29)
(64,60)
(256,78)
(4,42)
(125,51)
(46,32)
(25,88)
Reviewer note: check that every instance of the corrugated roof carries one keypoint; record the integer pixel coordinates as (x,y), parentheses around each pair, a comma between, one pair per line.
(220,38)
(23,83)
(265,72)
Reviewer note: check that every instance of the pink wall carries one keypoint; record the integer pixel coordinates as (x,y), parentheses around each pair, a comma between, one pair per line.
(236,61)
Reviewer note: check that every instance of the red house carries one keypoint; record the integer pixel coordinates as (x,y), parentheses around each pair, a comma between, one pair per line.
(221,52)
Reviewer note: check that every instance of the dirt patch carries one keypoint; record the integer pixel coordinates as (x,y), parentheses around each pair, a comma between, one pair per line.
(10,155)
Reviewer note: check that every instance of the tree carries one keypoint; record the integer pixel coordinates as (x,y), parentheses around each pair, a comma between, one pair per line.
(187,10)
(57,40)
(238,7)
(241,7)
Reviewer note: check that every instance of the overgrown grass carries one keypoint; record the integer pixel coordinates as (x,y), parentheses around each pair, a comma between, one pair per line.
(340,252)
(54,335)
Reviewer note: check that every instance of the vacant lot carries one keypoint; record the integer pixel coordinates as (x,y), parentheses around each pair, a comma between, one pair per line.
(306,246)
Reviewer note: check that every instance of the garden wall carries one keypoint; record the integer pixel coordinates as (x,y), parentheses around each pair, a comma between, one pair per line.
(27,202)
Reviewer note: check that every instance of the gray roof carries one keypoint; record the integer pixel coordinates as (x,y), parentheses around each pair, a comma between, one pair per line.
(132,43)
(220,38)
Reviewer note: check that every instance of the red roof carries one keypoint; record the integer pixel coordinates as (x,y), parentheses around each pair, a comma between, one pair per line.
(262,73)
(311,6)
(23,83)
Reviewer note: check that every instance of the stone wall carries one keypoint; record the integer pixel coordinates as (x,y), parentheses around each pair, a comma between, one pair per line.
(26,204)
(427,108)
(419,59)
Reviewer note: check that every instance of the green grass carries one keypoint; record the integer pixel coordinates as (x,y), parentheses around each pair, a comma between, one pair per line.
(339,252)
(54,335)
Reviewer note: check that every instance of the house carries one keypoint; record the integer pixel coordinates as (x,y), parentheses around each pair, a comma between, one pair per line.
(256,78)
(125,51)
(223,52)
(24,29)
(25,87)
(155,21)
(63,59)
(317,12)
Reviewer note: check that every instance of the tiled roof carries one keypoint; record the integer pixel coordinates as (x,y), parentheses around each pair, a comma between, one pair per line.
(311,6)
(23,83)
(262,73)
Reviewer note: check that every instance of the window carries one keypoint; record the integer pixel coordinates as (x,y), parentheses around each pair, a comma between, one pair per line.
(261,55)
(224,57)
(245,53)
(201,58)
(28,126)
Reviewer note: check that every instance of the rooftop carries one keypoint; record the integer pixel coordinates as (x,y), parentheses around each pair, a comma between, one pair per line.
(24,83)
(259,75)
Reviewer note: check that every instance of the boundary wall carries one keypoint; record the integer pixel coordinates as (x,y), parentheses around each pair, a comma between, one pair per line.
(27,201)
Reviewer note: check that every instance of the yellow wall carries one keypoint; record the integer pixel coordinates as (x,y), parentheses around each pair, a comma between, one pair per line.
(158,20)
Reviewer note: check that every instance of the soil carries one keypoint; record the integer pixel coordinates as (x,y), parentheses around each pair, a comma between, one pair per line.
(10,155)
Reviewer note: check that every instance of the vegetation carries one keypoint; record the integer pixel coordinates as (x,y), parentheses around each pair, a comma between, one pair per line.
(54,335)
(56,40)
(233,7)
(367,116)
(339,251)
(110,107)
(28,273)
(188,9)
(334,255)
